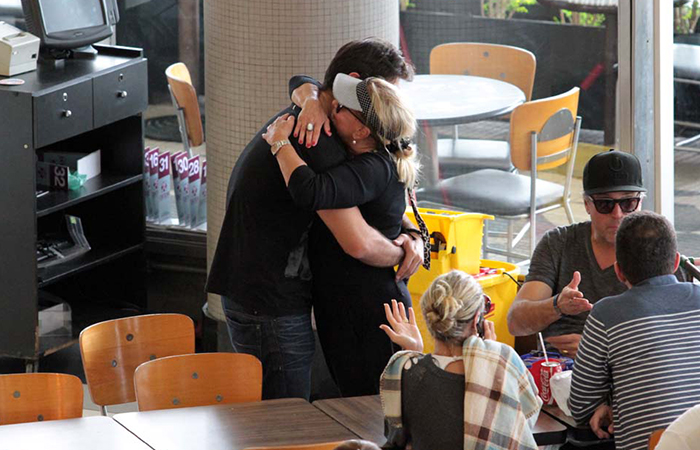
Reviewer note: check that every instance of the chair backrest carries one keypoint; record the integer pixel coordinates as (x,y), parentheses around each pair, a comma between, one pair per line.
(198,380)
(655,438)
(321,446)
(501,62)
(553,119)
(31,397)
(112,350)
(186,97)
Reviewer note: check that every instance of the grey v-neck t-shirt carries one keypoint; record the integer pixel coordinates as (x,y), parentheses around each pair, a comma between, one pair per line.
(561,252)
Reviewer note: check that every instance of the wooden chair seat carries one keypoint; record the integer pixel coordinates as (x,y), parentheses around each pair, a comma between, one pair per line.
(112,350)
(198,380)
(32,397)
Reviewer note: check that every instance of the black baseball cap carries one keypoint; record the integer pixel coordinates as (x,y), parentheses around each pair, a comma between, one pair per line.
(612,171)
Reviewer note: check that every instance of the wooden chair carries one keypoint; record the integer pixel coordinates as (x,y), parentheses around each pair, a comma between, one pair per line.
(655,438)
(501,62)
(198,380)
(321,446)
(112,350)
(31,397)
(186,103)
(543,135)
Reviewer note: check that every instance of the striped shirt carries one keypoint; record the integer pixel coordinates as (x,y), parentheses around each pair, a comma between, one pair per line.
(641,347)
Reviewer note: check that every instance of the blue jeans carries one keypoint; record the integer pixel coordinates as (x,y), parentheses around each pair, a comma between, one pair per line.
(285,345)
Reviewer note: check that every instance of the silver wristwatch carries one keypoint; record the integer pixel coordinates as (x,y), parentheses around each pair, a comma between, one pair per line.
(276,146)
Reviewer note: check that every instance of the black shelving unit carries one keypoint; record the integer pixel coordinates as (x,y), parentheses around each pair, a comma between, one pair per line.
(72,105)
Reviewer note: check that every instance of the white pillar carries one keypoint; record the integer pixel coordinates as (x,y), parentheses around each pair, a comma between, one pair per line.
(252,48)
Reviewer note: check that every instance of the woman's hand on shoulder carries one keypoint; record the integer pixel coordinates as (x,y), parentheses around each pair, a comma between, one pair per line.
(312,113)
(403,329)
(280,129)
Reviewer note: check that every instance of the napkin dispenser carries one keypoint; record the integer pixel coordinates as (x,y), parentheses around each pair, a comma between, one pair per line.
(19,50)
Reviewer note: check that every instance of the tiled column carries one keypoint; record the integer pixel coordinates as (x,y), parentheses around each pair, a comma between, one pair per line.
(252,48)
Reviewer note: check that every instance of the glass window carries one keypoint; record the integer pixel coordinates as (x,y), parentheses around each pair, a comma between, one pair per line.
(573,47)
(687,124)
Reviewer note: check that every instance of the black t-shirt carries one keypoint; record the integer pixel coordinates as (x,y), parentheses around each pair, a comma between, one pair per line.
(432,407)
(259,259)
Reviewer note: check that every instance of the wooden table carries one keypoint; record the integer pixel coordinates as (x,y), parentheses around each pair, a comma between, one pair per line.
(234,426)
(581,434)
(439,100)
(88,433)
(364,417)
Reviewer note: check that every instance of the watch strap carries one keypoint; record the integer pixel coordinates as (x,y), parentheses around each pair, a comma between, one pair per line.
(556,305)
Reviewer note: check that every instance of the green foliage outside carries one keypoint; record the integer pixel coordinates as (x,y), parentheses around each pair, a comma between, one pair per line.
(580,18)
(504,9)
(685,16)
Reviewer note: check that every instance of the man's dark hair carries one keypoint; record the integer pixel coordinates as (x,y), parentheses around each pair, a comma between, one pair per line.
(370,57)
(645,246)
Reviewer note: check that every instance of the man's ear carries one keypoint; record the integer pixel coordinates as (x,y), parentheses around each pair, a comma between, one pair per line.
(620,276)
(354,74)
(677,263)
(587,205)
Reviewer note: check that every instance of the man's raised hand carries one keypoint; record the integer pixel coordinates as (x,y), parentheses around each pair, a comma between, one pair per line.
(571,301)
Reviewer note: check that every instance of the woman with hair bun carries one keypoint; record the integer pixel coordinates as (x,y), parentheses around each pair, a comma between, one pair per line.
(375,126)
(472,392)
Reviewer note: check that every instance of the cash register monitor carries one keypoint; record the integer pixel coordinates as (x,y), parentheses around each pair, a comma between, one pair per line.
(70,24)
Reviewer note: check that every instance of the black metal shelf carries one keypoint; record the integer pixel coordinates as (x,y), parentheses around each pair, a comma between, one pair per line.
(95,257)
(101,184)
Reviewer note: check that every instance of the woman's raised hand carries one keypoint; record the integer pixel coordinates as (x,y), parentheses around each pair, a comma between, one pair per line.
(489,330)
(280,129)
(404,330)
(312,113)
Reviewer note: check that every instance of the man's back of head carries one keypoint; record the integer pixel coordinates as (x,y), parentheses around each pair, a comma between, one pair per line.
(645,246)
(370,57)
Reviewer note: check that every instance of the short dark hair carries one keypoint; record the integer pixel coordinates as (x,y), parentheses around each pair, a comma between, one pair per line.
(370,57)
(645,246)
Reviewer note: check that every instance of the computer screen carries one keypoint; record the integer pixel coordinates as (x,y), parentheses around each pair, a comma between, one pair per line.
(66,15)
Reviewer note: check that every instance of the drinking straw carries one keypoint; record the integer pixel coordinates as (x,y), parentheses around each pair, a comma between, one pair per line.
(544,349)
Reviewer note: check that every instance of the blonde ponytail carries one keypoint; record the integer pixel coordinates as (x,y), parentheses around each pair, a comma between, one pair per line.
(398,124)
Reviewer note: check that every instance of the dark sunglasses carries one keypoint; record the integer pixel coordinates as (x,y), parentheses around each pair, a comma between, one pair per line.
(606,205)
(358,117)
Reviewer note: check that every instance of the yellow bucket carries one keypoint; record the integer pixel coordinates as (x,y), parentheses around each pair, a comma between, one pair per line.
(458,239)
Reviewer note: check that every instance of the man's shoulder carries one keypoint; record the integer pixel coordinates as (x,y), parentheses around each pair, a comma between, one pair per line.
(565,233)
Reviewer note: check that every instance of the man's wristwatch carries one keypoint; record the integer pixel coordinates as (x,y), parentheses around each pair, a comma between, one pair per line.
(556,306)
(276,146)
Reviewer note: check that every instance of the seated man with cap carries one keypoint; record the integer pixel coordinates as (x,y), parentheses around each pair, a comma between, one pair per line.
(572,266)
(638,367)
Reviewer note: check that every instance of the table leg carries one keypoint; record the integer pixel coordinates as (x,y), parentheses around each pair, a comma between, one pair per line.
(426,139)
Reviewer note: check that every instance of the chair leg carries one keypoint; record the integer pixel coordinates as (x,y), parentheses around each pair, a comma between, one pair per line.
(509,237)
(533,232)
(569,212)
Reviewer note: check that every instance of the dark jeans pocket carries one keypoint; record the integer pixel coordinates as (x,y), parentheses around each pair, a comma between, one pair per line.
(245,334)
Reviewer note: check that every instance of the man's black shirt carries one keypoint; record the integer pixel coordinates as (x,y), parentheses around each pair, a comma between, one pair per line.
(259,260)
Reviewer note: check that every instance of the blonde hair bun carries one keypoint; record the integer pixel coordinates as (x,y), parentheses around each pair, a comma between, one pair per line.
(450,304)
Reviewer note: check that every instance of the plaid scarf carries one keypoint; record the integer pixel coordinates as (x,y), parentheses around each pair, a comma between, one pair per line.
(501,404)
